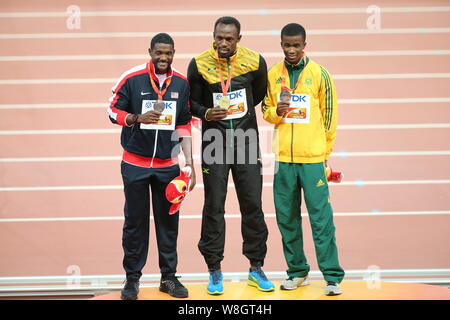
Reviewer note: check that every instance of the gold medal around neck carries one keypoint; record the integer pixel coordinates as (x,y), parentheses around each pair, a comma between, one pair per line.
(224,102)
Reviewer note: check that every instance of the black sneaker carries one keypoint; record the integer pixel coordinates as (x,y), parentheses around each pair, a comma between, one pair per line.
(172,286)
(130,290)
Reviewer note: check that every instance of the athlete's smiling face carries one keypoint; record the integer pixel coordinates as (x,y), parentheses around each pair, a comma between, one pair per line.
(162,56)
(226,38)
(293,47)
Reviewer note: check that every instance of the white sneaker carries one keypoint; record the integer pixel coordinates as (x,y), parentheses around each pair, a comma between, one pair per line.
(293,283)
(332,289)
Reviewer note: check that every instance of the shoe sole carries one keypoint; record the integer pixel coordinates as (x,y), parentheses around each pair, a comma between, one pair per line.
(333,291)
(214,293)
(304,283)
(128,298)
(173,295)
(254,284)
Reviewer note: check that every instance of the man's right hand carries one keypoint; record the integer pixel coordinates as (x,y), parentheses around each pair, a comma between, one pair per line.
(216,114)
(150,117)
(282,108)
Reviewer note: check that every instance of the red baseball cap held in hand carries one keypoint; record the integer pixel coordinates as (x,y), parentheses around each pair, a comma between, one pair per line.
(178,188)
(334,176)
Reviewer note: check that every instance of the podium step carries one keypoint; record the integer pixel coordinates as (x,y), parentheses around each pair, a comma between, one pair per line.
(352,290)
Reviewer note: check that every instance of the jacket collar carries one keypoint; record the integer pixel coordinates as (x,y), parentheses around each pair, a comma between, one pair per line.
(299,66)
(232,58)
(152,73)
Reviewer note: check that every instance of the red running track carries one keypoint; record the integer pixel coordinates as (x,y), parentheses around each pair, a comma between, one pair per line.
(400,222)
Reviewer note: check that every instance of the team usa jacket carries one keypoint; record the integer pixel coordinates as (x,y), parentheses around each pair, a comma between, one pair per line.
(151,145)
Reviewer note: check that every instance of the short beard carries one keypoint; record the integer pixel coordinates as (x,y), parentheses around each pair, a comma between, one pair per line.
(158,71)
(225,55)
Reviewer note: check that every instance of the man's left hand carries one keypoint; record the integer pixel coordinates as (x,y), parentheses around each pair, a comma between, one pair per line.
(193,179)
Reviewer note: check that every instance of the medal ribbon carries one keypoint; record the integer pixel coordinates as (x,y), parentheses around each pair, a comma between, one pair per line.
(224,86)
(284,76)
(155,87)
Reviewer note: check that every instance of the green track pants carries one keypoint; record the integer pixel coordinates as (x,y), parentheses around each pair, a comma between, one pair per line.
(289,179)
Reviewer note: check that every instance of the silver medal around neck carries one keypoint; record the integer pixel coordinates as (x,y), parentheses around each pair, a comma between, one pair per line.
(159,106)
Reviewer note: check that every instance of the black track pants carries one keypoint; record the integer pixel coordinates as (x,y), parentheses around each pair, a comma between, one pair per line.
(248,184)
(137,182)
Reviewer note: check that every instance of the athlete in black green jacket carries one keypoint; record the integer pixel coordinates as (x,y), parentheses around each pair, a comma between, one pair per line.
(227,82)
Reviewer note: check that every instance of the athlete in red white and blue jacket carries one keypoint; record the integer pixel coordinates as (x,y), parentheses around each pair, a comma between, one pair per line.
(151,103)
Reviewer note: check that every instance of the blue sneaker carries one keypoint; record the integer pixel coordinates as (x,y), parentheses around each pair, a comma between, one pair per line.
(258,279)
(215,286)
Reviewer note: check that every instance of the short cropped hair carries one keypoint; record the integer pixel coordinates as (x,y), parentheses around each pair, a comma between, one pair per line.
(228,20)
(161,38)
(293,29)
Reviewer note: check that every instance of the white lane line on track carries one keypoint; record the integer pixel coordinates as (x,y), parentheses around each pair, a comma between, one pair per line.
(261,128)
(344,154)
(62,131)
(191,34)
(390,100)
(188,13)
(341,154)
(369,53)
(394,126)
(358,183)
(369,76)
(227,216)
(105,105)
(58,81)
(391,76)
(62,159)
(29,106)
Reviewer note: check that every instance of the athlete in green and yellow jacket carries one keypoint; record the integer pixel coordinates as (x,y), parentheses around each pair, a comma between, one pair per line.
(301,103)
(311,139)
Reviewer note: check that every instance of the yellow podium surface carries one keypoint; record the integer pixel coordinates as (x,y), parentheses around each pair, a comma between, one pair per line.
(352,290)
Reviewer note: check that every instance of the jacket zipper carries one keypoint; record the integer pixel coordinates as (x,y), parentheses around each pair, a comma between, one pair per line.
(292,142)
(231,120)
(291,76)
(292,83)
(154,149)
(156,139)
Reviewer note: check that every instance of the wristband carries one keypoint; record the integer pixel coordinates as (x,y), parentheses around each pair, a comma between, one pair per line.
(206,114)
